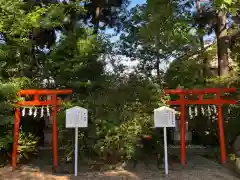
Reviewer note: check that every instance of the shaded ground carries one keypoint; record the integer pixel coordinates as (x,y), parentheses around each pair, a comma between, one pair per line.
(198,168)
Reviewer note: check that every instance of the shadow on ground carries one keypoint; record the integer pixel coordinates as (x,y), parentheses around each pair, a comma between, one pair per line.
(198,168)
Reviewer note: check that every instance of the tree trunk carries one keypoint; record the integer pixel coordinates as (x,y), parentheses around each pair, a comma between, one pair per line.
(158,70)
(96,20)
(205,65)
(205,61)
(21,63)
(222,44)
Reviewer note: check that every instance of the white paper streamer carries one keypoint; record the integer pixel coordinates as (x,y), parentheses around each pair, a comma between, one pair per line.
(209,111)
(190,112)
(215,109)
(23,112)
(196,111)
(202,110)
(48,111)
(42,111)
(35,113)
(30,112)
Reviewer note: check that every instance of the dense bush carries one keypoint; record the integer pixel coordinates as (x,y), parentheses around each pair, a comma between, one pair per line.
(27,142)
(119,118)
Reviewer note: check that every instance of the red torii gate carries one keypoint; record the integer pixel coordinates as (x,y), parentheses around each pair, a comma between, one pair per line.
(218,100)
(54,102)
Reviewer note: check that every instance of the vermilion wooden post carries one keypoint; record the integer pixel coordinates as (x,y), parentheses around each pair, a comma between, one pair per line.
(35,98)
(54,126)
(221,130)
(16,135)
(221,135)
(183,129)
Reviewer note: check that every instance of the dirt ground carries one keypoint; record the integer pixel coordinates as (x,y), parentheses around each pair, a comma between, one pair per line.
(198,168)
(29,173)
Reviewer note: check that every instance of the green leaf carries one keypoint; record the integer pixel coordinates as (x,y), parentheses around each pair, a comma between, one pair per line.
(229,2)
(234,11)
(6,120)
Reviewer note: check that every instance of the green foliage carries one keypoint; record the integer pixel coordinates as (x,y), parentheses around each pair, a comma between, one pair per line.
(110,14)
(8,98)
(164,100)
(185,72)
(155,32)
(5,141)
(119,116)
(172,23)
(120,141)
(27,145)
(223,4)
(74,60)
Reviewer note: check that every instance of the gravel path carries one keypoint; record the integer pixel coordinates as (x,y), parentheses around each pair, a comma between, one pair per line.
(197,168)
